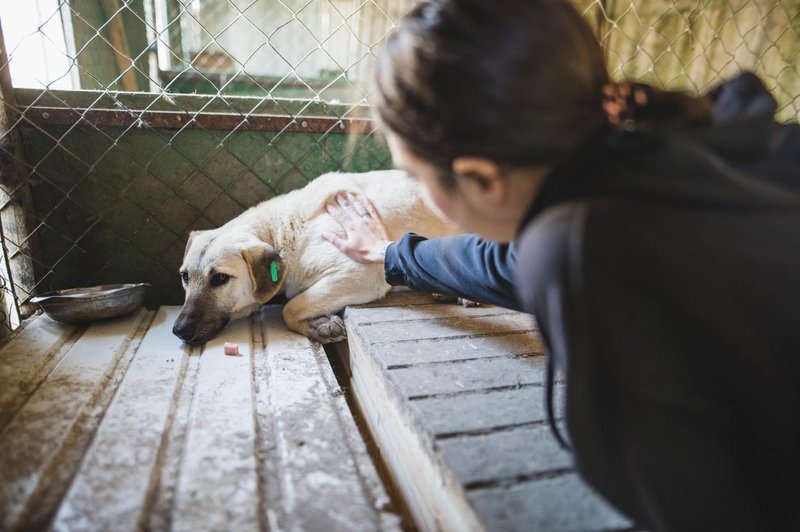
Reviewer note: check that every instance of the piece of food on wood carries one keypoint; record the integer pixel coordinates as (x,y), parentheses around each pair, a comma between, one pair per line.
(231,349)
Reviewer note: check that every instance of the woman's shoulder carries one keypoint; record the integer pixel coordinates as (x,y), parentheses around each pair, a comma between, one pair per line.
(549,252)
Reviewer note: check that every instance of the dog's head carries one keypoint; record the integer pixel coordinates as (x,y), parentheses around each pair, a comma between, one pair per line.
(225,276)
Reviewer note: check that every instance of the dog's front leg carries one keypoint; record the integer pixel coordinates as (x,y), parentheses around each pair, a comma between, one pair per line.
(313,312)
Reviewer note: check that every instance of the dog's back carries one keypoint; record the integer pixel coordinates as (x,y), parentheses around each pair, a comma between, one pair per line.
(317,277)
(396,196)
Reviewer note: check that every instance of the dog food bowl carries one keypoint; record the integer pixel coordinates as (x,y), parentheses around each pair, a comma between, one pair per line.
(84,305)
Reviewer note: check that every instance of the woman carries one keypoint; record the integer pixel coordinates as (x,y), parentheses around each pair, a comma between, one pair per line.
(656,239)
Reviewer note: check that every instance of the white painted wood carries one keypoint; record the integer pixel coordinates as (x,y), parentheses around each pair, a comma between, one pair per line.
(433,493)
(133,430)
(434,350)
(37,436)
(560,504)
(109,490)
(217,489)
(464,434)
(447,327)
(416,313)
(468,376)
(27,358)
(504,456)
(324,483)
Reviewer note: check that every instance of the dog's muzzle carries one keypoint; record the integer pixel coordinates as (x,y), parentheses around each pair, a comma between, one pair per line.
(193,330)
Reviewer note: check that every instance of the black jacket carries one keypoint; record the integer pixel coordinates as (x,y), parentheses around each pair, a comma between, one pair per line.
(664,272)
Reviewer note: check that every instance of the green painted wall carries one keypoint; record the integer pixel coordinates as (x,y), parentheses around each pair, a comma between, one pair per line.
(116,205)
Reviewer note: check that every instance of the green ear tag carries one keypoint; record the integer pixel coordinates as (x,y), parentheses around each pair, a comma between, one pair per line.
(273,270)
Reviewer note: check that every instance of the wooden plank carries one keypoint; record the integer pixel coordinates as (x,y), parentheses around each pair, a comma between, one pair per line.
(322,483)
(118,42)
(26,360)
(217,489)
(376,493)
(21,251)
(399,296)
(469,375)
(452,327)
(39,446)
(132,430)
(433,493)
(483,411)
(563,503)
(159,502)
(434,350)
(504,456)
(189,104)
(101,62)
(112,118)
(453,408)
(424,311)
(110,488)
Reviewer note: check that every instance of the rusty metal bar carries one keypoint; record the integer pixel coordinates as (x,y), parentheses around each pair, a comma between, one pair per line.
(100,118)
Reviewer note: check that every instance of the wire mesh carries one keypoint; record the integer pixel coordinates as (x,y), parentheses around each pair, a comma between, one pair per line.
(128,123)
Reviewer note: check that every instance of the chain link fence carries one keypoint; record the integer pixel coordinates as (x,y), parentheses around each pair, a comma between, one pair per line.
(692,46)
(127,123)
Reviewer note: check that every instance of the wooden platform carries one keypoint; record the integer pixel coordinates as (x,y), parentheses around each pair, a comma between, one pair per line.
(120,427)
(454,397)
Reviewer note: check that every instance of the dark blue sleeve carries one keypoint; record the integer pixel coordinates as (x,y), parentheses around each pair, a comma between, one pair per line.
(465,266)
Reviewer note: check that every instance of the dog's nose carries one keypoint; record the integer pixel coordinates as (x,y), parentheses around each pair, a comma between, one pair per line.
(183,330)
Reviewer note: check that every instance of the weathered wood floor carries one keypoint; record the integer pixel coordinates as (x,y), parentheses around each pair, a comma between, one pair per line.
(120,427)
(455,399)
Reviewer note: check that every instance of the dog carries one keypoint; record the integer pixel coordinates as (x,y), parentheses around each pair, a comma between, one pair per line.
(277,247)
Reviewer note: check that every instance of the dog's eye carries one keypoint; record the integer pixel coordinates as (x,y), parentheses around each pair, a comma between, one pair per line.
(185,277)
(219,279)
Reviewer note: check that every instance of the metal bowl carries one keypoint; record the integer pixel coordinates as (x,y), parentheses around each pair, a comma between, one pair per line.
(83,305)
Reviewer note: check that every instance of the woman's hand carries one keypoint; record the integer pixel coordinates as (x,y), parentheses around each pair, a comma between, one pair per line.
(366,238)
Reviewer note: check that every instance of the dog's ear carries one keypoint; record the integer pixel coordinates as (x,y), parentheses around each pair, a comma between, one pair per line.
(192,235)
(259,261)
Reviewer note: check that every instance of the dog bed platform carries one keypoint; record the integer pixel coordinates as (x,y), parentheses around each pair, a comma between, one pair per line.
(118,426)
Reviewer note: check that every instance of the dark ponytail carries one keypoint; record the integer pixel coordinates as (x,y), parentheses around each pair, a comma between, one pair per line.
(520,82)
(640,107)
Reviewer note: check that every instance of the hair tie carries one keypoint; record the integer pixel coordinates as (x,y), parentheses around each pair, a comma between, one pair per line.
(621,101)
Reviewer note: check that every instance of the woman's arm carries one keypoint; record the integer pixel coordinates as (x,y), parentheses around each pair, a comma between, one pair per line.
(464,266)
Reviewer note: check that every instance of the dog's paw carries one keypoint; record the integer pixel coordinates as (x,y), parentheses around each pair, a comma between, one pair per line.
(327,329)
(442,298)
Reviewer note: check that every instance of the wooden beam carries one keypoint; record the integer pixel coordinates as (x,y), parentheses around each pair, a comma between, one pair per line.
(432,492)
(16,204)
(102,118)
(119,40)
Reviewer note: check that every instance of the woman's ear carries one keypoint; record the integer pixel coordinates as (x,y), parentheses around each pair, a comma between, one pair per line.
(481,180)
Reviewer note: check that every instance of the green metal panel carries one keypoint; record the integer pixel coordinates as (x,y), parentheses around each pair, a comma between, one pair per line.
(116,204)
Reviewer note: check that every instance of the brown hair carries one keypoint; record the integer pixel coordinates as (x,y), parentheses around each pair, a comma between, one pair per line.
(520,82)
